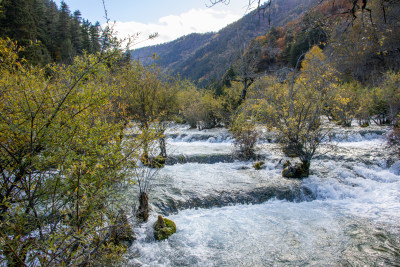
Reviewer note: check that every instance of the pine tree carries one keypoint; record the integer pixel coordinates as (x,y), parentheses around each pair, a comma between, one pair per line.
(75,31)
(65,50)
(17,22)
(85,35)
(51,28)
(47,33)
(95,38)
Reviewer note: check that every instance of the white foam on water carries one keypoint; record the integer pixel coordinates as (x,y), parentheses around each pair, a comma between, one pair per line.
(195,179)
(279,233)
(276,232)
(378,143)
(366,191)
(199,148)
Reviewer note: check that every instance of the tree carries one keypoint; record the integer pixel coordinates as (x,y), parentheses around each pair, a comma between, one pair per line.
(294,108)
(51,29)
(199,108)
(85,33)
(345,102)
(60,159)
(381,104)
(190,105)
(17,21)
(46,32)
(364,106)
(246,136)
(391,91)
(245,69)
(149,97)
(76,33)
(147,101)
(94,33)
(23,21)
(65,49)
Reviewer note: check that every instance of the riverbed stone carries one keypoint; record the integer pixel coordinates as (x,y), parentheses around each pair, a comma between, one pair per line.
(259,165)
(298,170)
(163,228)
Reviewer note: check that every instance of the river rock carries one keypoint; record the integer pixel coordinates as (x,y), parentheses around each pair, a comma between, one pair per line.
(163,228)
(299,170)
(259,165)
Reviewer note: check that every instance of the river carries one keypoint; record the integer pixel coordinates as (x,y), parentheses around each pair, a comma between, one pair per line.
(347,213)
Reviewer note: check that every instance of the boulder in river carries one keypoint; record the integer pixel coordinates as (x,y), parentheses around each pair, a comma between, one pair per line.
(163,228)
(298,170)
(259,165)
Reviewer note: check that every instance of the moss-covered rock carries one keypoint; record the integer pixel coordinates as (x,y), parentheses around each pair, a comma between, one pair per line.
(259,165)
(299,170)
(163,228)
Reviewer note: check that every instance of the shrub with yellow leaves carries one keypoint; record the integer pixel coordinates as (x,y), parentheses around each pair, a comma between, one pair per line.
(293,108)
(60,160)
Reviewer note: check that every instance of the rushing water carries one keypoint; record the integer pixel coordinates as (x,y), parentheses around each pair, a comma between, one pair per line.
(347,213)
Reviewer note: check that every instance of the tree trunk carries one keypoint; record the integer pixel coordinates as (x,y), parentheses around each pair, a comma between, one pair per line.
(305,165)
(246,84)
(144,209)
(244,92)
(163,147)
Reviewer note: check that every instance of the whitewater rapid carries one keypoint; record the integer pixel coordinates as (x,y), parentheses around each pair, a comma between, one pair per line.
(229,214)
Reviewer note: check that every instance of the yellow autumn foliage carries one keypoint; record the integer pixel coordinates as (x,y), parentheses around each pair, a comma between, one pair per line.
(60,159)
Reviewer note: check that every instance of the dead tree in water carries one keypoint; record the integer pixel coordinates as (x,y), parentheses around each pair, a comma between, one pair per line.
(145,177)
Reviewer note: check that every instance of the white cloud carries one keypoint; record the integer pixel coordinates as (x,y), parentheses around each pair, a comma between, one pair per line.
(173,26)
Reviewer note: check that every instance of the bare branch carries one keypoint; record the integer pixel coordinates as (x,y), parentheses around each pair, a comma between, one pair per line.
(215,2)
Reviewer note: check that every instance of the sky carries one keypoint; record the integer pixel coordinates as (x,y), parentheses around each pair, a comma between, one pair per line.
(171,19)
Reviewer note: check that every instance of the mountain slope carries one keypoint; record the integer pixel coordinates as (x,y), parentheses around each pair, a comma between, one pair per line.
(170,53)
(204,57)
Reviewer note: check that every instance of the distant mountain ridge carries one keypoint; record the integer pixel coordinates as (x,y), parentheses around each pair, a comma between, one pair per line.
(171,52)
(205,57)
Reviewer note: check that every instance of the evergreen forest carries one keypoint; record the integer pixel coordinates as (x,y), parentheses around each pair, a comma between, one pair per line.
(47,32)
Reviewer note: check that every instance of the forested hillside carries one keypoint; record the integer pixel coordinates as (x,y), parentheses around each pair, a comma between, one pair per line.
(277,38)
(361,46)
(169,54)
(49,33)
(209,55)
